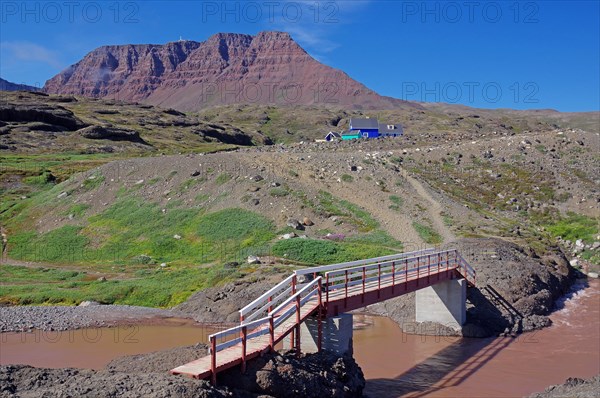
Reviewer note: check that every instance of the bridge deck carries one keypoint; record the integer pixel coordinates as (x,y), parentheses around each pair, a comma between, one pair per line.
(229,357)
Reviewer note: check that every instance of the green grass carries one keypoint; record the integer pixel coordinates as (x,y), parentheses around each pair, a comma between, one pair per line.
(93,181)
(328,205)
(575,226)
(131,228)
(448,220)
(190,183)
(40,180)
(236,225)
(152,287)
(376,238)
(427,233)
(279,192)
(347,178)
(78,210)
(397,203)
(222,178)
(319,252)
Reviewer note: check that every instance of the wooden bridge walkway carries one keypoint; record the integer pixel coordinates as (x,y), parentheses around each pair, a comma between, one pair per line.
(327,291)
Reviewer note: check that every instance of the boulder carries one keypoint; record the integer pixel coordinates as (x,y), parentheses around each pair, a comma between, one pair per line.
(253,260)
(293,223)
(88,303)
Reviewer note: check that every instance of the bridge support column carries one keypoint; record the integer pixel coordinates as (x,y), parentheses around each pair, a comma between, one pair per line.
(336,334)
(444,303)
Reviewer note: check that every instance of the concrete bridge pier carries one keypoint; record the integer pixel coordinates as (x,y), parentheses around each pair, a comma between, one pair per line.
(444,303)
(337,334)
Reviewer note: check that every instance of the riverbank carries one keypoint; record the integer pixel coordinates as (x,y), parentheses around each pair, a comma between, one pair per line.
(572,387)
(62,318)
(273,375)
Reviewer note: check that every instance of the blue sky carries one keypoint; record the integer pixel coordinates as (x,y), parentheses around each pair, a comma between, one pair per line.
(488,54)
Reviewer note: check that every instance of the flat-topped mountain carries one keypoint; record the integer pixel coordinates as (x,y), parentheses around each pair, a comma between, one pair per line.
(228,68)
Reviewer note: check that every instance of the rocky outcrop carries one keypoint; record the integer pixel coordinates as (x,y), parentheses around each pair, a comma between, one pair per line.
(516,290)
(269,68)
(55,115)
(316,375)
(233,136)
(111,133)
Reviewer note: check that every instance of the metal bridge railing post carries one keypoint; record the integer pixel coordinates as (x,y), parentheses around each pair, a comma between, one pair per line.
(320,319)
(346,289)
(418,269)
(298,325)
(213,360)
(393,275)
(428,267)
(244,342)
(327,289)
(271,334)
(292,335)
(406,274)
(378,280)
(364,277)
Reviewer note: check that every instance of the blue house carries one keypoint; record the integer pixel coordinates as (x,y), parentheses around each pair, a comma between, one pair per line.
(364,128)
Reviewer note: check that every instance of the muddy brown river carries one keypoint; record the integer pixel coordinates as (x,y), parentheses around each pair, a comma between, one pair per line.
(395,364)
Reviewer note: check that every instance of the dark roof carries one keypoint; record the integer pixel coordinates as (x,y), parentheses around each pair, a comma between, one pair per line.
(358,124)
(383,128)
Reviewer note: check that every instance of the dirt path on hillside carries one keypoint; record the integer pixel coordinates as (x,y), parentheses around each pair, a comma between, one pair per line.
(361,193)
(434,208)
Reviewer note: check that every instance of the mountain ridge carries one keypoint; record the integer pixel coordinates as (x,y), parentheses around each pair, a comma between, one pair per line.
(6,85)
(227,68)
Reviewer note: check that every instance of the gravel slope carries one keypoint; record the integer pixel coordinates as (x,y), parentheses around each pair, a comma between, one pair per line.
(49,318)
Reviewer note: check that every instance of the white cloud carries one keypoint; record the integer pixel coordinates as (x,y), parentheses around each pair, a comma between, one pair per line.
(24,51)
(317,22)
(312,38)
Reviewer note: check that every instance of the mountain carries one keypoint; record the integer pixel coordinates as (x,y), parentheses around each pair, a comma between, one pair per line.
(5,85)
(228,68)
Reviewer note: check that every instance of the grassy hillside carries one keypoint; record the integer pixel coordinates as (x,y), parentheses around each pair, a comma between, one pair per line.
(181,211)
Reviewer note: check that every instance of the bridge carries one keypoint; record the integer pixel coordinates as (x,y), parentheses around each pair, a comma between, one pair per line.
(314,296)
